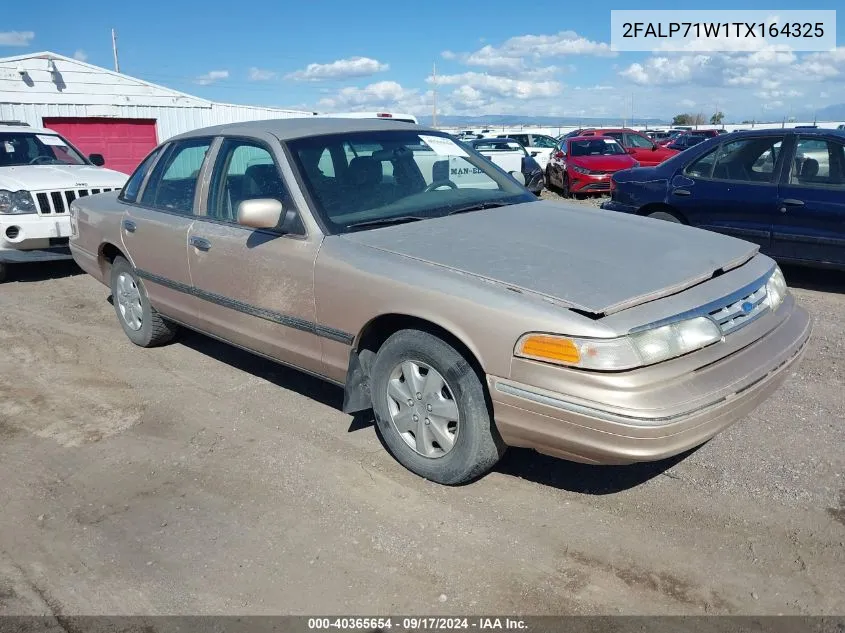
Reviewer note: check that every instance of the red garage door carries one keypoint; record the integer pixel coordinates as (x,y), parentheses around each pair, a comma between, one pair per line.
(123,142)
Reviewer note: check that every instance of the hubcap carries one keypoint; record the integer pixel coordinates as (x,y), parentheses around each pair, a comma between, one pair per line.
(128,299)
(423,408)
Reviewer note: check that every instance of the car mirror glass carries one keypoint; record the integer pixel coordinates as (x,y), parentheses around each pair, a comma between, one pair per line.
(516,175)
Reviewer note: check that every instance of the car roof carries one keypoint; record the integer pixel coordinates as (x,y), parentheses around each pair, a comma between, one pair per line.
(778,130)
(589,138)
(609,129)
(16,129)
(287,129)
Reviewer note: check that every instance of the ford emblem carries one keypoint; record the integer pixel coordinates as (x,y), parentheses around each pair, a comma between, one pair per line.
(747,307)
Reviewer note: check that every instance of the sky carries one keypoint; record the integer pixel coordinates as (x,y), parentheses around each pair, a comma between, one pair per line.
(494,57)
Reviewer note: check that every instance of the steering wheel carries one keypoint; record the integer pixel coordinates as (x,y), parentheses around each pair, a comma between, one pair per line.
(40,158)
(440,183)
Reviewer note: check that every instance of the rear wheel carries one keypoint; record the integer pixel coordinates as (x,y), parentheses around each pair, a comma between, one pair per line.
(668,216)
(3,272)
(140,321)
(431,409)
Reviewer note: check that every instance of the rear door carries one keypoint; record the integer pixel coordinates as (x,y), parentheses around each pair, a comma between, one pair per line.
(810,224)
(255,286)
(155,228)
(732,188)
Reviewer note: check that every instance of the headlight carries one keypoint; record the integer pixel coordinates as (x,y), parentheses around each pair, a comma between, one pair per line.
(625,352)
(16,202)
(775,289)
(580,170)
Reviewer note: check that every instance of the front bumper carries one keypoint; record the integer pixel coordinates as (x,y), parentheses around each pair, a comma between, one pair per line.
(650,413)
(31,238)
(613,205)
(585,183)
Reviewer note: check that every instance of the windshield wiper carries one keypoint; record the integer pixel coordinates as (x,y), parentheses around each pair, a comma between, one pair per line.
(479,206)
(397,219)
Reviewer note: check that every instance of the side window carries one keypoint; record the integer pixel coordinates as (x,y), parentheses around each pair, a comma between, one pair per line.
(546,142)
(635,140)
(244,170)
(173,182)
(765,163)
(818,163)
(736,160)
(133,185)
(703,166)
(618,136)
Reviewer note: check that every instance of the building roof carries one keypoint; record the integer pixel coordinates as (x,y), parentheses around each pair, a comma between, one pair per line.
(286,129)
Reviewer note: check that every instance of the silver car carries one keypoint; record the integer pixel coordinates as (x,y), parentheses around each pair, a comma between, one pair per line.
(436,290)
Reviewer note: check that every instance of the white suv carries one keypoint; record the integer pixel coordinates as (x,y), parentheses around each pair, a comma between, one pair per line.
(40,175)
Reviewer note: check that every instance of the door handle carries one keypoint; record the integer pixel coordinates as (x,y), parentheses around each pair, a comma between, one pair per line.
(129,226)
(791,202)
(200,243)
(681,192)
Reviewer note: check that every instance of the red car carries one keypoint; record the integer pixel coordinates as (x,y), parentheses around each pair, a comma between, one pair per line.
(706,133)
(642,148)
(582,165)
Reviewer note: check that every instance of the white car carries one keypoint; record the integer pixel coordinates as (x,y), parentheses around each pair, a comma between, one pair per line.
(539,146)
(40,175)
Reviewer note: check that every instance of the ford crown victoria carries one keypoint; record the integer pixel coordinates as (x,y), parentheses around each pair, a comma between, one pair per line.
(469,316)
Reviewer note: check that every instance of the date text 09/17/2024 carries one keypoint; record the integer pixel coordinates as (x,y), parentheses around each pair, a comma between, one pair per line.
(416,623)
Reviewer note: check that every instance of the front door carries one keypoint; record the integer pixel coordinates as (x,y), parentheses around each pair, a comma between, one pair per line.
(732,189)
(255,286)
(155,229)
(810,224)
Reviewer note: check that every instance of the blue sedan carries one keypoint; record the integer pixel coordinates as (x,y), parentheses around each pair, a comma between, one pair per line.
(783,189)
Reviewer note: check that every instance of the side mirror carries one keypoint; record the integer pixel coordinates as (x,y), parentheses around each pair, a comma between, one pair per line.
(654,147)
(97,159)
(260,213)
(559,154)
(630,150)
(518,176)
(534,153)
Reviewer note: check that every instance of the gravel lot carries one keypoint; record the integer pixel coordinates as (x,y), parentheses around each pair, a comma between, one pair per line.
(196,478)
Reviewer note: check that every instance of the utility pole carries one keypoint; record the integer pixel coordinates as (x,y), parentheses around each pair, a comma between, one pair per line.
(434,96)
(114,50)
(632,109)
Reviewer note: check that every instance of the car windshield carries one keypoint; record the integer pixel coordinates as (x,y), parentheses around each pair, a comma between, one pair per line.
(595,147)
(360,180)
(30,148)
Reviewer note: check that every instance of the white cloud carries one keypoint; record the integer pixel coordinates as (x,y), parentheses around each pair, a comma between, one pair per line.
(387,95)
(339,69)
(211,77)
(16,38)
(257,74)
(80,55)
(501,86)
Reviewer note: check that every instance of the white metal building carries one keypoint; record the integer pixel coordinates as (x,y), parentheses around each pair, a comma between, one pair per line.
(105,112)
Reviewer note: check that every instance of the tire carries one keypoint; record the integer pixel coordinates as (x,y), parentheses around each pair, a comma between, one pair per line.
(549,184)
(564,190)
(666,216)
(476,445)
(149,329)
(4,272)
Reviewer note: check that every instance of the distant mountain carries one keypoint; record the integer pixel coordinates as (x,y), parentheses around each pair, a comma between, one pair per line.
(834,112)
(506,120)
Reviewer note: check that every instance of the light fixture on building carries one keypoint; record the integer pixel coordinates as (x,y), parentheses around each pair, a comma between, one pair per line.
(51,66)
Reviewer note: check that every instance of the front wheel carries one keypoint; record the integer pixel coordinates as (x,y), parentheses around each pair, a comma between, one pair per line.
(565,191)
(140,321)
(431,409)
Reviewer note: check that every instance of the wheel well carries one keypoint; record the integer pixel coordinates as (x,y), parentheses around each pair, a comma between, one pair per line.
(661,206)
(370,340)
(108,252)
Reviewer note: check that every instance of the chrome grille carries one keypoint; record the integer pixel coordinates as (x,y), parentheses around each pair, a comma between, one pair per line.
(58,202)
(734,315)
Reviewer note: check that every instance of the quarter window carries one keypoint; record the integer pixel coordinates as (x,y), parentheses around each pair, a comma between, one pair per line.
(133,185)
(173,182)
(244,171)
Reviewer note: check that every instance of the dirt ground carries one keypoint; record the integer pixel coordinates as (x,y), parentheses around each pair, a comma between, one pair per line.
(195,478)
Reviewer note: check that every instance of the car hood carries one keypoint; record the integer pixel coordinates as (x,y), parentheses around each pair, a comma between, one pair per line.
(51,177)
(596,261)
(604,163)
